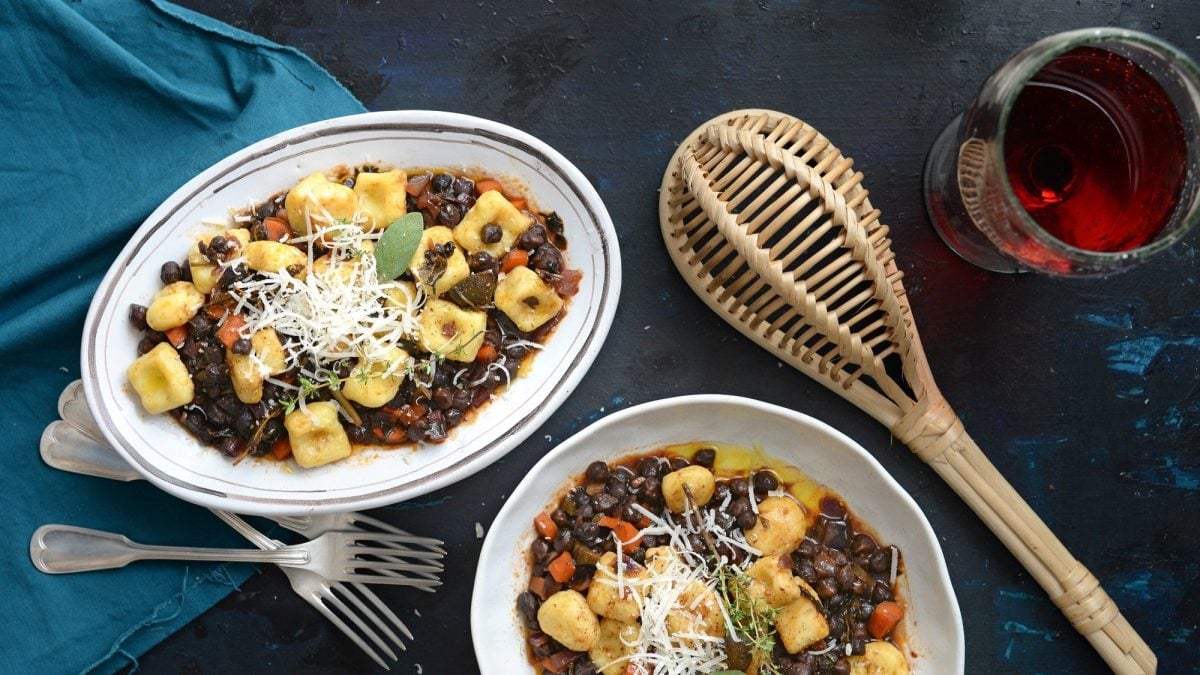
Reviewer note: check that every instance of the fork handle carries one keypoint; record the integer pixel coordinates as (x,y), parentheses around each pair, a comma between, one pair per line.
(62,549)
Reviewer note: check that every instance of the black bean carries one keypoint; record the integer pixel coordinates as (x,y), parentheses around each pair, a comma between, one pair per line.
(482,261)
(450,214)
(881,593)
(240,346)
(416,431)
(464,186)
(560,517)
(349,182)
(528,604)
(623,474)
(845,578)
(705,457)
(739,506)
(443,184)
(862,544)
(617,489)
(747,520)
(186,274)
(231,447)
(585,511)
(648,466)
(563,540)
(491,233)
(805,569)
(739,487)
(678,463)
(540,548)
(454,417)
(532,238)
(826,588)
(651,490)
(807,548)
(865,610)
(841,667)
(170,272)
(881,560)
(765,481)
(629,514)
(825,565)
(145,345)
(837,626)
(442,398)
(546,258)
(587,530)
(137,316)
(605,501)
(834,535)
(462,399)
(597,472)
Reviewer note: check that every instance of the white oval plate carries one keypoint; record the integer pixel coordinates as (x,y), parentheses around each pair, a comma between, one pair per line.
(168,456)
(932,623)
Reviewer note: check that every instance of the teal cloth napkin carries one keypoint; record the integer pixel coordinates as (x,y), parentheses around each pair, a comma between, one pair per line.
(105,109)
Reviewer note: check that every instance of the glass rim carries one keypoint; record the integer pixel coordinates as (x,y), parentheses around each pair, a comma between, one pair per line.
(1054,46)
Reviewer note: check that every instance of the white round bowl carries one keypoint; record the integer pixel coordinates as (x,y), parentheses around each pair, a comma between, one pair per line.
(932,622)
(168,456)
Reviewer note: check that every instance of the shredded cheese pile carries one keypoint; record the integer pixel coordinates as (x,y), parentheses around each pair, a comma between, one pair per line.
(340,310)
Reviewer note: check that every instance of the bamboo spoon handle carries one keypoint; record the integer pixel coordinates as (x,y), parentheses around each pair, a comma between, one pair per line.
(959,461)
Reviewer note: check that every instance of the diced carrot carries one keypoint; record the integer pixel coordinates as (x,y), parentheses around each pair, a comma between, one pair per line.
(628,534)
(486,353)
(277,230)
(282,449)
(486,185)
(562,568)
(884,619)
(229,331)
(395,436)
(544,525)
(515,258)
(177,335)
(214,312)
(520,202)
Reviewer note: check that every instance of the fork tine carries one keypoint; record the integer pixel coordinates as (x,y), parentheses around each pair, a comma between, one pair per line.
(392,538)
(398,554)
(389,580)
(383,609)
(331,598)
(388,527)
(349,632)
(345,590)
(355,563)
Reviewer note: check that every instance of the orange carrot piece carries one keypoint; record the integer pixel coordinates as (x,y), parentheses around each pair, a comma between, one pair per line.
(214,312)
(520,202)
(282,449)
(515,258)
(486,353)
(884,619)
(229,331)
(628,534)
(544,525)
(486,185)
(177,335)
(562,568)
(277,230)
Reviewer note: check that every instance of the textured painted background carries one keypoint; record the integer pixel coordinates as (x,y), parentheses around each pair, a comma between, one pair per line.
(1084,393)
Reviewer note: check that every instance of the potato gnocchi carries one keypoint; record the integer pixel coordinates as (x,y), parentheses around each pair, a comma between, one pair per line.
(683,561)
(289,333)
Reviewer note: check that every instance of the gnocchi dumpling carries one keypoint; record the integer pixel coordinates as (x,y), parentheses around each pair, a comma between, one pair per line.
(204,271)
(603,597)
(491,209)
(451,331)
(316,435)
(526,299)
(565,617)
(698,611)
(879,658)
(247,372)
(801,624)
(370,385)
(780,527)
(174,305)
(381,197)
(318,197)
(268,349)
(615,642)
(772,580)
(699,482)
(161,380)
(275,257)
(456,265)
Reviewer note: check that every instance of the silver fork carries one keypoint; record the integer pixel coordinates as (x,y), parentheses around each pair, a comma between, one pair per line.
(337,556)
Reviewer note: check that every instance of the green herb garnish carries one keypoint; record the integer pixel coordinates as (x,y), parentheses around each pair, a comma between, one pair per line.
(397,245)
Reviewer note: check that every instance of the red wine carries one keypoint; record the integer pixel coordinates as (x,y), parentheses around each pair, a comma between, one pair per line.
(1095,151)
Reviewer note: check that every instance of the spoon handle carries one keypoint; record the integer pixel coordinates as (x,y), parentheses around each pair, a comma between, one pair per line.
(65,447)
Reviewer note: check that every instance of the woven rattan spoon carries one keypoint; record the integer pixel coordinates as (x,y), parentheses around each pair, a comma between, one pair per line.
(770,225)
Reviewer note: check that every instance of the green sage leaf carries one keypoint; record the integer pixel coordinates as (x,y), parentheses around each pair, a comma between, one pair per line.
(396,246)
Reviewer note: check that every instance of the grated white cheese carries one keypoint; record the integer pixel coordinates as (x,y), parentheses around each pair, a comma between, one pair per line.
(337,311)
(895,564)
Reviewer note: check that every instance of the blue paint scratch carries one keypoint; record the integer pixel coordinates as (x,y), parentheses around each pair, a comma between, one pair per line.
(1017,629)
(1140,586)
(1135,356)
(1180,636)
(1168,475)
(1133,394)
(1108,319)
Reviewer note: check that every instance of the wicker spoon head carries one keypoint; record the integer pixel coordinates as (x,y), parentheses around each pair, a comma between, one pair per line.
(771,227)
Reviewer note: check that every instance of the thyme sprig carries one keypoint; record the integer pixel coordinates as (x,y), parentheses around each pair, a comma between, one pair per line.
(752,618)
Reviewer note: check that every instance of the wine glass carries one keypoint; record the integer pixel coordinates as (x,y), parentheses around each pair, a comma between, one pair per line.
(1078,157)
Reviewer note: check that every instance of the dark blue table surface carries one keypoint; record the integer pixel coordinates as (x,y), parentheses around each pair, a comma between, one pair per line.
(1084,393)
